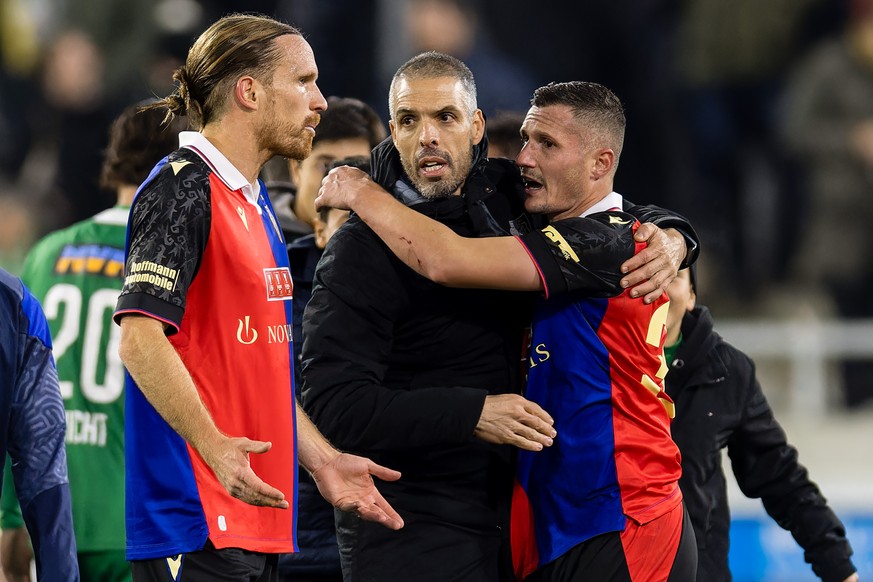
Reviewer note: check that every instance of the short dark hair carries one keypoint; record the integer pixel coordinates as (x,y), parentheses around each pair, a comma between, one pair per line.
(430,65)
(590,103)
(360,162)
(235,45)
(504,131)
(349,118)
(137,141)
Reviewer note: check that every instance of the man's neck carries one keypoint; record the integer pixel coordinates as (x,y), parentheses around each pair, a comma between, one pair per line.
(238,147)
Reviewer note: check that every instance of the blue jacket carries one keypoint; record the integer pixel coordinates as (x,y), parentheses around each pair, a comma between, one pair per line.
(33,429)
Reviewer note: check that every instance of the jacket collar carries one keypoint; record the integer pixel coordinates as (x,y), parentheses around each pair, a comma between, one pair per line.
(697,362)
(387,169)
(470,211)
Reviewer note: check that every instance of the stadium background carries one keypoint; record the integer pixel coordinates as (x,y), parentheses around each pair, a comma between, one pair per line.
(714,92)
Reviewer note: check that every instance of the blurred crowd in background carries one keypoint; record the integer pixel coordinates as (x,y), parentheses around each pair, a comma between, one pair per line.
(754,119)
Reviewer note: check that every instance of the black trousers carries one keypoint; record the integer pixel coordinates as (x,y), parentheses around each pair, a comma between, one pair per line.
(209,565)
(603,559)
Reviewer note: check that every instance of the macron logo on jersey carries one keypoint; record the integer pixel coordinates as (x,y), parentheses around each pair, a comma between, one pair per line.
(279,284)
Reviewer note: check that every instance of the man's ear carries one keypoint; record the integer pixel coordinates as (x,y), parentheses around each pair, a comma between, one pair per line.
(248,93)
(603,163)
(391,130)
(478,126)
(692,301)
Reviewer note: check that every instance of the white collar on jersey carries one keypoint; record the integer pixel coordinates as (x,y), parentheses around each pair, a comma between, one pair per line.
(608,202)
(226,171)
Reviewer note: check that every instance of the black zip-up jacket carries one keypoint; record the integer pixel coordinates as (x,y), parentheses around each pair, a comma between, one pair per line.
(397,368)
(719,403)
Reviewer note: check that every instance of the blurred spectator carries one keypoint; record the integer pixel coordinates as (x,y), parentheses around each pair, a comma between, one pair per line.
(453,27)
(829,127)
(68,68)
(504,137)
(17,231)
(78,114)
(732,56)
(19,53)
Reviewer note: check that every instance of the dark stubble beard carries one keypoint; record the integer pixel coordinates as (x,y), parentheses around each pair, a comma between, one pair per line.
(447,186)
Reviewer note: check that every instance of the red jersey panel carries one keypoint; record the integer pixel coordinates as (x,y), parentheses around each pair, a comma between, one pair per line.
(206,256)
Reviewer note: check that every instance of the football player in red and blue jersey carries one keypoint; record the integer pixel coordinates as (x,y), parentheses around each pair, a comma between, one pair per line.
(597,495)
(213,433)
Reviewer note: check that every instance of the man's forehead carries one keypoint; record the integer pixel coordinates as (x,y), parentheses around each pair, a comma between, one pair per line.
(431,93)
(298,55)
(548,118)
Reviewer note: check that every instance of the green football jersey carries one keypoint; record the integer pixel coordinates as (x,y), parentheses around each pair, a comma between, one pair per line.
(76,273)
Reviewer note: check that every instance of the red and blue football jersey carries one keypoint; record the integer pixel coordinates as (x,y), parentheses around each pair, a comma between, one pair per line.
(597,366)
(205,255)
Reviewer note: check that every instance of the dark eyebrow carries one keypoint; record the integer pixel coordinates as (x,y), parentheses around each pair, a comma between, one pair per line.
(449,109)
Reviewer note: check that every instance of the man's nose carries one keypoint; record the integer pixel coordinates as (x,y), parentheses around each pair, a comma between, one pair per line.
(524,159)
(319,103)
(430,135)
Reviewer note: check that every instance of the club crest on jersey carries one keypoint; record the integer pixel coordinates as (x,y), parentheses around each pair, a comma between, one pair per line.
(242,215)
(280,287)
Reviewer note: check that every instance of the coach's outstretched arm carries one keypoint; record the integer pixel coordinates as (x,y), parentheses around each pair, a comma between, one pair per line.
(345,480)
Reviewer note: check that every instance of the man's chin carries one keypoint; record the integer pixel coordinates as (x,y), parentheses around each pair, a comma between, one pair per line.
(298,151)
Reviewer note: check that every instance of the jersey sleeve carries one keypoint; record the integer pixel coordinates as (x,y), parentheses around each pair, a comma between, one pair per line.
(167,235)
(36,447)
(583,254)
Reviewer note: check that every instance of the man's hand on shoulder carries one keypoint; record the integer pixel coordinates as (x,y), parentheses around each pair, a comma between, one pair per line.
(340,187)
(650,271)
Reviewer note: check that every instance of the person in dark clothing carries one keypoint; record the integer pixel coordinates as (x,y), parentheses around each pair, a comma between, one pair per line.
(720,404)
(348,130)
(318,558)
(33,429)
(424,375)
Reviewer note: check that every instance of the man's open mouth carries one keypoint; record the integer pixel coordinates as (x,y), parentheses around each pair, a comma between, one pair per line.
(530,184)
